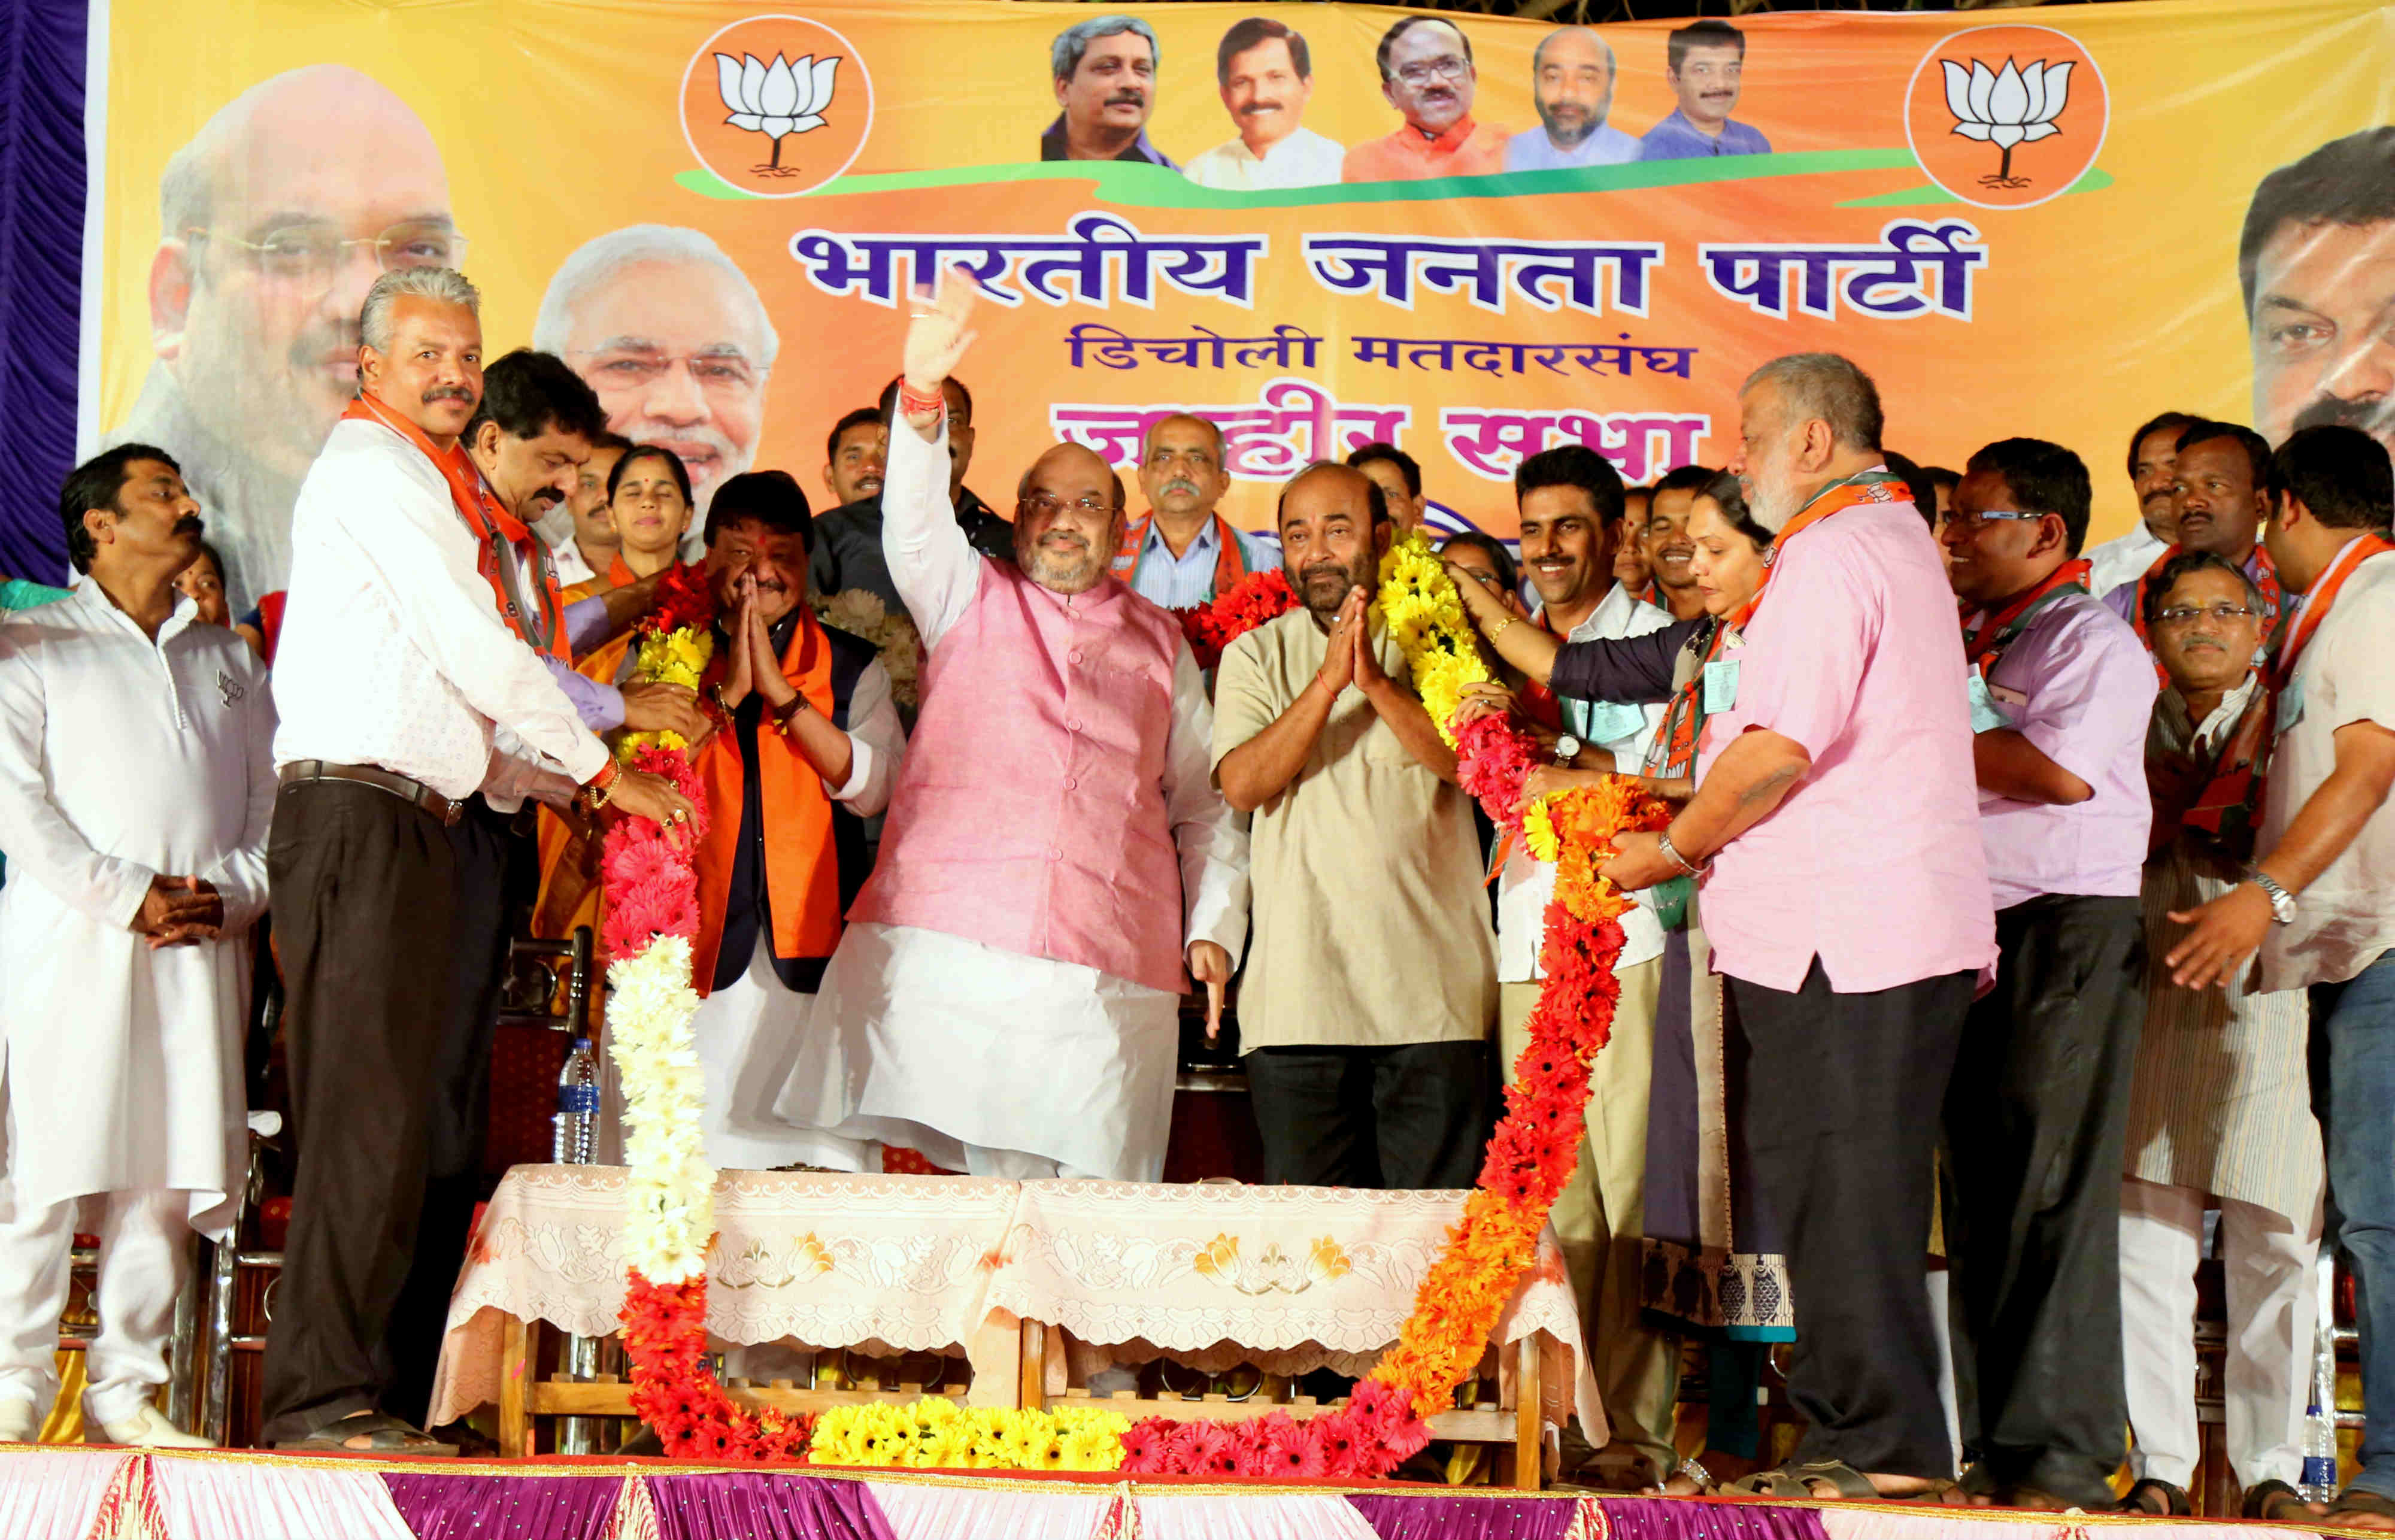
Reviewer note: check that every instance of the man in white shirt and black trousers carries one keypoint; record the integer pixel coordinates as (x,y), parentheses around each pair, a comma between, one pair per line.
(412,678)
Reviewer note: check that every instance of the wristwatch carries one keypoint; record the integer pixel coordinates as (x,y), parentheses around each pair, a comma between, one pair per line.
(2283,903)
(1568,748)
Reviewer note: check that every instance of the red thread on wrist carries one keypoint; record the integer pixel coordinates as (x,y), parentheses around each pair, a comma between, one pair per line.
(912,404)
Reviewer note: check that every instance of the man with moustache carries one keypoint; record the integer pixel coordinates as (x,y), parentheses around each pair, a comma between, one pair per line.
(673,336)
(1572,81)
(2219,1111)
(2316,264)
(2220,481)
(1705,62)
(1398,476)
(1265,76)
(1843,728)
(1104,70)
(136,783)
(1427,74)
(2317,904)
(1055,864)
(272,220)
(849,551)
(2153,473)
(586,545)
(855,455)
(1569,500)
(1366,1009)
(1180,553)
(1669,550)
(2037,1112)
(414,627)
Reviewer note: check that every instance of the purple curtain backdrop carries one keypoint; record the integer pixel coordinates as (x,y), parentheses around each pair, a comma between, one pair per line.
(40,267)
(762,1506)
(470,1507)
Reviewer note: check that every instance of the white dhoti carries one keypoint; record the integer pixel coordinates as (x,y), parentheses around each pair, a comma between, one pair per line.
(144,1241)
(749,1035)
(989,1061)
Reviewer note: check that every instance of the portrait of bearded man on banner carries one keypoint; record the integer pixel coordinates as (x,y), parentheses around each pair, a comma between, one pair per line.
(2316,264)
(273,221)
(675,340)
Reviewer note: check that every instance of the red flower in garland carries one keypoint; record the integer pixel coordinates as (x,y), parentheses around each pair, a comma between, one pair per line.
(1258,597)
(1146,1444)
(685,600)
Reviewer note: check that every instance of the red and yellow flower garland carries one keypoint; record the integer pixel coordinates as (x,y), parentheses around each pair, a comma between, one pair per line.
(652,912)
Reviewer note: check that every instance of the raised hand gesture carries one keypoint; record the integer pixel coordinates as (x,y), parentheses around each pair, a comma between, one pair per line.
(938,336)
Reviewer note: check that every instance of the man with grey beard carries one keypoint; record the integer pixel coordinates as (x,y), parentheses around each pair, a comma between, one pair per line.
(1056,863)
(1848,907)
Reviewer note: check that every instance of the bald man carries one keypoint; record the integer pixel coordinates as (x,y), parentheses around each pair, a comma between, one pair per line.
(1571,83)
(673,336)
(274,220)
(1057,862)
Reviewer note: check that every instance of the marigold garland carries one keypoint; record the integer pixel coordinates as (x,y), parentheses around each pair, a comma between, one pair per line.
(1254,598)
(652,912)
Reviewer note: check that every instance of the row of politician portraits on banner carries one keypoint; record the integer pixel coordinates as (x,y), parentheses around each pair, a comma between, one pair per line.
(277,214)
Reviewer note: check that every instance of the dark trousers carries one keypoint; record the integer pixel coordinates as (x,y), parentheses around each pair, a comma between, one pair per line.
(1408,1118)
(376,956)
(2036,1119)
(1843,1129)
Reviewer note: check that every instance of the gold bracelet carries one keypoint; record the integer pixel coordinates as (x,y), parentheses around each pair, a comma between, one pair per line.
(1493,632)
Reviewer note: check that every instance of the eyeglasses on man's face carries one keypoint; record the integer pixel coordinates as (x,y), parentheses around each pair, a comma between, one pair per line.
(1448,67)
(2181,615)
(290,252)
(1047,504)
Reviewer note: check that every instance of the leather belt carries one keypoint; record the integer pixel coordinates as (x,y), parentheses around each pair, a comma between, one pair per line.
(300,772)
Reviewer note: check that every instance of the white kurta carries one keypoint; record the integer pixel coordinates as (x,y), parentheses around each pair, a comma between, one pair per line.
(934,1041)
(121,760)
(749,1033)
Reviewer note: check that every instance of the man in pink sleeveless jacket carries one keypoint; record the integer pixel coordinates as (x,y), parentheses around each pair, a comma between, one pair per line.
(1007,996)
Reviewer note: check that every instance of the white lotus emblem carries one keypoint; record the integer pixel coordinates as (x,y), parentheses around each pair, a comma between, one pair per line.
(778,99)
(2017,106)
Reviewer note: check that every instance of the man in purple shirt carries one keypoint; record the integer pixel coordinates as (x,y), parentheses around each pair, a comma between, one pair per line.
(1104,72)
(1846,893)
(2037,1114)
(1704,62)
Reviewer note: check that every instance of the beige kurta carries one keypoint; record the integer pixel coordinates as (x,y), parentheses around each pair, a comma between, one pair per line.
(2221,1102)
(1372,924)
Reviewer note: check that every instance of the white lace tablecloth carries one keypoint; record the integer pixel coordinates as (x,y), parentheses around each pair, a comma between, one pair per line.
(887,1264)
(1290,1279)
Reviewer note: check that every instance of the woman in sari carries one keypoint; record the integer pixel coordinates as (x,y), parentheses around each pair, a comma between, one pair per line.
(1702,1271)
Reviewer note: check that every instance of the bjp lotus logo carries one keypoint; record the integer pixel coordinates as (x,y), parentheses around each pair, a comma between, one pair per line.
(779,100)
(2017,107)
(795,82)
(2031,94)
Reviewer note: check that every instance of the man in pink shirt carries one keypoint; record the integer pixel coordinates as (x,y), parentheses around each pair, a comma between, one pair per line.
(2036,1119)
(1836,831)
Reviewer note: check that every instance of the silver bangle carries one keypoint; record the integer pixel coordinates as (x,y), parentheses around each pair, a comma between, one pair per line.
(1672,853)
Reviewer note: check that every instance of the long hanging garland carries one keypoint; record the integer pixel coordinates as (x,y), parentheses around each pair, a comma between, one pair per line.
(652,913)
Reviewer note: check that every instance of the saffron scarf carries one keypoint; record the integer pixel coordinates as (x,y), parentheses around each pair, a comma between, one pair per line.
(802,863)
(1987,642)
(1230,563)
(1868,486)
(2229,807)
(2318,598)
(498,538)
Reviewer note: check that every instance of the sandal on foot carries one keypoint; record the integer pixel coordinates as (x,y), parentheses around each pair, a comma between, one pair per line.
(1797,1480)
(2270,1501)
(384,1434)
(2174,1500)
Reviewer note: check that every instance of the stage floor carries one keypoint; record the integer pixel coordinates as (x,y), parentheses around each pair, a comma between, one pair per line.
(86,1493)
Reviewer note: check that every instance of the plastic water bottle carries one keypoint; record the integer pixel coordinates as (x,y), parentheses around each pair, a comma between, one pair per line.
(577,1107)
(2319,1483)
